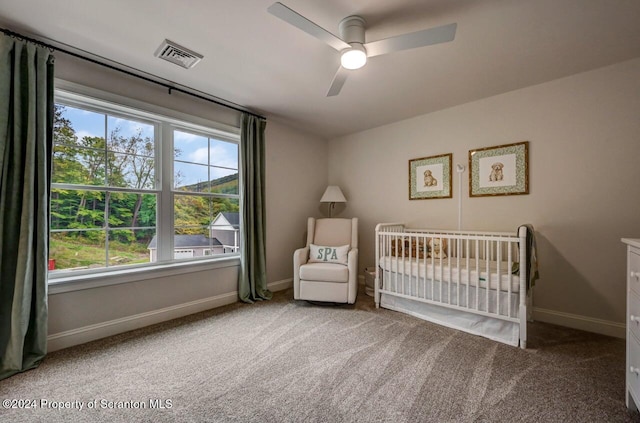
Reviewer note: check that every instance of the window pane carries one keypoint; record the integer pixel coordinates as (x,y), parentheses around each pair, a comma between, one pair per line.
(131,171)
(196,211)
(213,219)
(76,165)
(72,125)
(71,209)
(130,136)
(128,246)
(225,226)
(79,146)
(194,242)
(77,250)
(191,211)
(224,181)
(190,177)
(190,148)
(224,154)
(127,210)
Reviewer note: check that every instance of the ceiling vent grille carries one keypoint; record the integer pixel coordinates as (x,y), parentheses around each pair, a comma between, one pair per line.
(175,53)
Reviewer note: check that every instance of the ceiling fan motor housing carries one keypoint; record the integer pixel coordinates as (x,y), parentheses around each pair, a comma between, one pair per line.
(352,29)
(354,51)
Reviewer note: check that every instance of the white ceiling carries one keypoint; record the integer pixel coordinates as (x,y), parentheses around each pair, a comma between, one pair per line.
(258,61)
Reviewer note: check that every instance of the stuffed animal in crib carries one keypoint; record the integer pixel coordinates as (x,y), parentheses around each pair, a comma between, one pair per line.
(437,248)
(408,248)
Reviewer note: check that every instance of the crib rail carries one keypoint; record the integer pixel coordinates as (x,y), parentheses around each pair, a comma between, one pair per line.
(473,271)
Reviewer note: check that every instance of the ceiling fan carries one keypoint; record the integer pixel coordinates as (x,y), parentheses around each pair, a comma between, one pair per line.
(354,52)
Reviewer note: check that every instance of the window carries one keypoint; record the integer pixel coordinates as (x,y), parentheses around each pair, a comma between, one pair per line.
(205,182)
(130,187)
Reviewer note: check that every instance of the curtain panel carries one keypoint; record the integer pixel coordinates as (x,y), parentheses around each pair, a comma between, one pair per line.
(26,135)
(252,285)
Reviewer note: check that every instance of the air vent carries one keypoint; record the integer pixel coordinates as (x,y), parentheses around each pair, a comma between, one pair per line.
(175,53)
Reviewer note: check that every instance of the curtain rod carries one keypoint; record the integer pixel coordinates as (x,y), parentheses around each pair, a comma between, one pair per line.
(204,96)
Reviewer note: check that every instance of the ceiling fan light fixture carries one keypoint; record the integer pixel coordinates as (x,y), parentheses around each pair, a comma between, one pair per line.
(354,57)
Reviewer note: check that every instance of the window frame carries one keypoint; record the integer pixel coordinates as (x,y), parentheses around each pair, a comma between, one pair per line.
(165,121)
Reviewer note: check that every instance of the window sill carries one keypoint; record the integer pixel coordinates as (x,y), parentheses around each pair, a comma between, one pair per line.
(69,283)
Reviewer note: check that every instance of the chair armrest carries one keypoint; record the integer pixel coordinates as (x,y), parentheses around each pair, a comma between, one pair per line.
(300,257)
(352,264)
(352,256)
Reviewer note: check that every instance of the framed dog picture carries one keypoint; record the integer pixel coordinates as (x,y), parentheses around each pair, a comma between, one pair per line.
(499,170)
(430,177)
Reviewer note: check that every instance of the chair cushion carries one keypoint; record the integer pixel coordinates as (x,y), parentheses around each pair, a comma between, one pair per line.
(328,272)
(325,254)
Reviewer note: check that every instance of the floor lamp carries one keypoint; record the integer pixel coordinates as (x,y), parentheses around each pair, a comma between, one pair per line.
(333,195)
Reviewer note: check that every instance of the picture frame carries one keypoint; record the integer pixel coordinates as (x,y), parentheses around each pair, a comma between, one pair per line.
(430,177)
(499,170)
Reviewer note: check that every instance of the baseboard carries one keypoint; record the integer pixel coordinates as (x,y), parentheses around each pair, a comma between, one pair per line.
(589,324)
(89,333)
(280,285)
(58,341)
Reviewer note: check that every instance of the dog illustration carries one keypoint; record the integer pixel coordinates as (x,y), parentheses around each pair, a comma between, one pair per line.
(496,172)
(429,180)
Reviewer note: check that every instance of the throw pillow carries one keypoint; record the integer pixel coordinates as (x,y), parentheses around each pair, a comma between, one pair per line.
(324,254)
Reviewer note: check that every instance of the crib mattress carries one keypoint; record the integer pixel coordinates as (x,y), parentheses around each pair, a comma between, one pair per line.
(449,270)
(482,299)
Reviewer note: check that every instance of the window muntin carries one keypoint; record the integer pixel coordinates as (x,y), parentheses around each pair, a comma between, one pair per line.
(107,189)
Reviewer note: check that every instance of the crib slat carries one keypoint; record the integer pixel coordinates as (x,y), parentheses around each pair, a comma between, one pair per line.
(509,269)
(449,270)
(410,284)
(395,284)
(424,263)
(441,270)
(487,252)
(468,271)
(477,242)
(458,248)
(499,281)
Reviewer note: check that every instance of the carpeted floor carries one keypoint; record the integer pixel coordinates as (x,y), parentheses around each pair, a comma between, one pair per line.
(286,361)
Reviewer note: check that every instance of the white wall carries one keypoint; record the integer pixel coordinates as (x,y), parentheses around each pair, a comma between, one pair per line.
(584,133)
(293,186)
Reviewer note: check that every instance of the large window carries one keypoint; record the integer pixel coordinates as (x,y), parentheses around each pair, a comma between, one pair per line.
(130,187)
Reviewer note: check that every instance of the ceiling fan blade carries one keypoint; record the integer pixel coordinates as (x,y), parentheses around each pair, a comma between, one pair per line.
(283,12)
(426,37)
(338,82)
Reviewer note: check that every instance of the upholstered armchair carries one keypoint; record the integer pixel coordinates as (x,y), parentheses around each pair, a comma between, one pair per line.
(327,268)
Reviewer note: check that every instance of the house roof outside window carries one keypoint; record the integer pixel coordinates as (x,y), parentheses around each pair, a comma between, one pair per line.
(226,220)
(188,241)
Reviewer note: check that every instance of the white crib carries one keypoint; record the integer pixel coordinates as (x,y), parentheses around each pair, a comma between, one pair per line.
(471,281)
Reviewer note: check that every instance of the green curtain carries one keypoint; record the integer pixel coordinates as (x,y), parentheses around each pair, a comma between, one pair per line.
(26,132)
(253,268)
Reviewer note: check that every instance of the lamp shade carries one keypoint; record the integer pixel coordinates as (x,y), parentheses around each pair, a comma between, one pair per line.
(333,194)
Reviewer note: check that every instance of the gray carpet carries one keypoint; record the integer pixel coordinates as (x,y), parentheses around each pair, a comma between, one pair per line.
(286,361)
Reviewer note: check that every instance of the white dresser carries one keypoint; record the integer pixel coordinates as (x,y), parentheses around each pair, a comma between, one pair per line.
(633,323)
